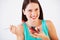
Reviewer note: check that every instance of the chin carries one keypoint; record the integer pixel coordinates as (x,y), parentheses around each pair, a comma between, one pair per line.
(34,19)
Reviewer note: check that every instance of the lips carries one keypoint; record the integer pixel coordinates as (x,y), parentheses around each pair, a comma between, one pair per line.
(33,17)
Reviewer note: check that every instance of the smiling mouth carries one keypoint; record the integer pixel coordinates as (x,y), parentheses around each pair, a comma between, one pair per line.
(34,17)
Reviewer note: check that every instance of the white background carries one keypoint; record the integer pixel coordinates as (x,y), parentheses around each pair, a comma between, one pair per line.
(10,13)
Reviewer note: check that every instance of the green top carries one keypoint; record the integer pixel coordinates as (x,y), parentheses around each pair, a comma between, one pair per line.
(27,35)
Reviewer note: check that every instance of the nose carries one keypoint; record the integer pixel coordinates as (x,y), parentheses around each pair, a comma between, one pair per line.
(33,13)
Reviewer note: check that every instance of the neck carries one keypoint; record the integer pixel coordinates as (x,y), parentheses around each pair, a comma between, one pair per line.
(34,23)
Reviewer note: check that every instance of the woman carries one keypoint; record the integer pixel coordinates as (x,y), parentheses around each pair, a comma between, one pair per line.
(34,26)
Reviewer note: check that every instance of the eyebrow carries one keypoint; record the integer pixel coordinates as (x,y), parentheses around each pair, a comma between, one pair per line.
(34,9)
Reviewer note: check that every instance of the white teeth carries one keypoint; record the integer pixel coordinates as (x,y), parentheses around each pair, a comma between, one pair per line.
(33,17)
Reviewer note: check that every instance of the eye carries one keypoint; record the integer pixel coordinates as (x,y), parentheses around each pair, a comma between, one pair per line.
(30,10)
(36,9)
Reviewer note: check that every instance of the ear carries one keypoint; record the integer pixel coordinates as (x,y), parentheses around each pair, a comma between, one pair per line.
(24,12)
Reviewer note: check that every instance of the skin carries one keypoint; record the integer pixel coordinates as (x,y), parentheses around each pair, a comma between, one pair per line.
(32,12)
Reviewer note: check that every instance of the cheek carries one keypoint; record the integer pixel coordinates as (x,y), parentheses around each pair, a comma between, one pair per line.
(38,13)
(28,14)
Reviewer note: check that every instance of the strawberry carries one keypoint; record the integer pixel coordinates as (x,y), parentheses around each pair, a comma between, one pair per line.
(33,30)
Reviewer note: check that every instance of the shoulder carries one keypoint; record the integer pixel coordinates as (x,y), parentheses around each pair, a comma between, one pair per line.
(51,28)
(49,24)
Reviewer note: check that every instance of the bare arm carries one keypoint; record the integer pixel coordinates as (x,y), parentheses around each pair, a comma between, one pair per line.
(18,31)
(52,30)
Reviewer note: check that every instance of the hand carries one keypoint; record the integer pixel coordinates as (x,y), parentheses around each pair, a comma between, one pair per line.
(17,31)
(13,29)
(40,35)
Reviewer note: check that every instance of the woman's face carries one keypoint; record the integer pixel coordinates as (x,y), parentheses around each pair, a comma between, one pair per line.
(32,11)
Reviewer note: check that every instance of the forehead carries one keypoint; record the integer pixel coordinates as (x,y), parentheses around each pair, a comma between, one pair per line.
(32,6)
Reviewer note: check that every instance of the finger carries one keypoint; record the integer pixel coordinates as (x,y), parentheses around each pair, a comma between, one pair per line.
(36,34)
(12,28)
(33,35)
